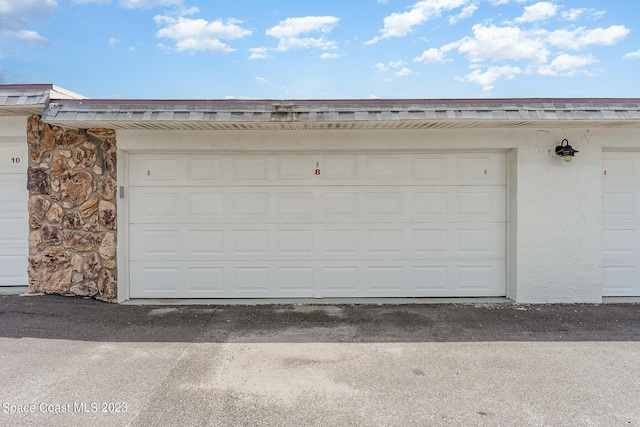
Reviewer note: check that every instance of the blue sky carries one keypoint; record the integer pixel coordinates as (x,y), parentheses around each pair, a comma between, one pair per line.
(325,49)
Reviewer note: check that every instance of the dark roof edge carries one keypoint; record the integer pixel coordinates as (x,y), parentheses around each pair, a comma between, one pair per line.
(340,102)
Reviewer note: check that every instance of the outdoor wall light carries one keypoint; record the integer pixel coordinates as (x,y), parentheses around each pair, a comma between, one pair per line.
(565,151)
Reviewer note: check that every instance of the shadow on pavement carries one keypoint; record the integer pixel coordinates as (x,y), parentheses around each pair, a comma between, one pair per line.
(56,317)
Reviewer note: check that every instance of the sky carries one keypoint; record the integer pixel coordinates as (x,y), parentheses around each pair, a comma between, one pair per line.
(324,49)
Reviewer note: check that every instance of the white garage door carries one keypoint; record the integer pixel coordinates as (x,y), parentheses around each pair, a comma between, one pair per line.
(348,225)
(14,227)
(621,224)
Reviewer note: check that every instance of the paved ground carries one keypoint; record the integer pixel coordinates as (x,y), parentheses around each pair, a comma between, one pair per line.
(81,362)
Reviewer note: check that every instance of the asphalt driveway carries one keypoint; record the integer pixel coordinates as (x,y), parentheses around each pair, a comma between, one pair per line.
(70,362)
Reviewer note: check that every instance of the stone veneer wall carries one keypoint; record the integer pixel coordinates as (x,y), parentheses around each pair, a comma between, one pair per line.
(72,211)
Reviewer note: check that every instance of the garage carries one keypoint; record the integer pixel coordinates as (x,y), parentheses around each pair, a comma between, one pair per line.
(621,223)
(317,225)
(14,226)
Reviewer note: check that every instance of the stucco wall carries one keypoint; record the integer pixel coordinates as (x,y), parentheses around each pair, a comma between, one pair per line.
(555,208)
(72,211)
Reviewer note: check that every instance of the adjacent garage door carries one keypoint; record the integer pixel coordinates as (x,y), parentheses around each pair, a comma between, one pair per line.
(14,228)
(347,225)
(621,224)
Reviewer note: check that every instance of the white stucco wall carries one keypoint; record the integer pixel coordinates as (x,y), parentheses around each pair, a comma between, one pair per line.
(554,208)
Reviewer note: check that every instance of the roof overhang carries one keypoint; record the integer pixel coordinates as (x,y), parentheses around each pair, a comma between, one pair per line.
(264,115)
(25,100)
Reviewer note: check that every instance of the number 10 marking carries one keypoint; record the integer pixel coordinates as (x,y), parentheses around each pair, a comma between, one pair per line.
(15,160)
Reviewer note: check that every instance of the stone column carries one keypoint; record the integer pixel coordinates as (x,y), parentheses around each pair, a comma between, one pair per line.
(72,211)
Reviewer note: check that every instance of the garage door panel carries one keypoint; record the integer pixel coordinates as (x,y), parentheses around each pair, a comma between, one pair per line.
(339,242)
(343,168)
(295,168)
(385,167)
(621,169)
(481,169)
(621,203)
(14,228)
(384,203)
(430,169)
(368,225)
(621,224)
(620,241)
(13,268)
(458,203)
(385,278)
(295,204)
(205,168)
(298,279)
(339,204)
(206,280)
(250,168)
(314,241)
(14,160)
(620,278)
(154,279)
(254,204)
(432,280)
(205,204)
(13,238)
(388,241)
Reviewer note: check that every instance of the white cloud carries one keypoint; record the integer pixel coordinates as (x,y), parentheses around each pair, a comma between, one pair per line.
(261,80)
(401,24)
(503,43)
(538,12)
(398,66)
(579,38)
(633,55)
(27,8)
(135,4)
(467,12)
(573,14)
(113,42)
(192,35)
(289,31)
(431,56)
(148,4)
(510,49)
(566,65)
(90,1)
(27,35)
(306,43)
(259,53)
(488,78)
(381,67)
(15,15)
(330,55)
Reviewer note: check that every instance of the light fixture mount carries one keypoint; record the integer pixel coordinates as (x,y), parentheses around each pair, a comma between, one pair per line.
(565,150)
